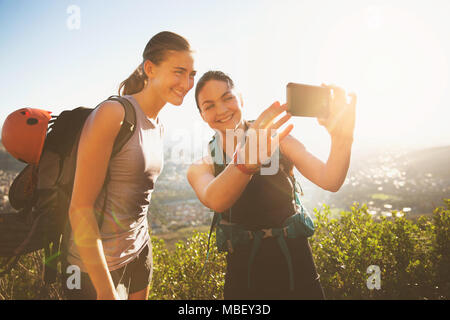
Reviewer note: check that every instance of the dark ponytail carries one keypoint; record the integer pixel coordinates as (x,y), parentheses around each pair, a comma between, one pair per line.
(155,51)
(134,83)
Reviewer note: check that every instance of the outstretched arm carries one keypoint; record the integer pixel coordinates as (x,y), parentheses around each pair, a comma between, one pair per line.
(340,125)
(330,175)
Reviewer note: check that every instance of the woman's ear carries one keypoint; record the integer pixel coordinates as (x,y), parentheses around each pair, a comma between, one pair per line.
(149,68)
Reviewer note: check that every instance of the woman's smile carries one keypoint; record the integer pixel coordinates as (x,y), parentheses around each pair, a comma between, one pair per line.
(179,93)
(226,119)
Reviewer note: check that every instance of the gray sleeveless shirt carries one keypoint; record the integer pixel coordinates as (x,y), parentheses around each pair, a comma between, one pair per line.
(133,173)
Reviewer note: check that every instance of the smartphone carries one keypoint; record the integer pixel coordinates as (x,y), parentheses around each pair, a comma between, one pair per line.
(307,101)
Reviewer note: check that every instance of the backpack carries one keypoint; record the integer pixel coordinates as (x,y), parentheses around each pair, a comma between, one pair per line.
(41,193)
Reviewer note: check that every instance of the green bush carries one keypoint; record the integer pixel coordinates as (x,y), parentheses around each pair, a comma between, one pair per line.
(183,274)
(25,282)
(413,257)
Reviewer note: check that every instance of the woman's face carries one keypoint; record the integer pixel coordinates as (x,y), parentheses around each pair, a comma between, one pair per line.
(219,105)
(173,77)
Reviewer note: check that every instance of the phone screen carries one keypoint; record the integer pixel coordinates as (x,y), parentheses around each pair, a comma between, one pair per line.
(307,101)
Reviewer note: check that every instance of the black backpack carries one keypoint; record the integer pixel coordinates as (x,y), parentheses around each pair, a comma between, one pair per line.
(41,193)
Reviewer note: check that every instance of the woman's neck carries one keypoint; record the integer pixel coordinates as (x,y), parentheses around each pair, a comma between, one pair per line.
(149,102)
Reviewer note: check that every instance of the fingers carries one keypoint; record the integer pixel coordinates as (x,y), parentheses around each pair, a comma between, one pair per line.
(337,93)
(261,120)
(267,117)
(280,136)
(352,106)
(339,102)
(272,112)
(280,122)
(339,97)
(285,132)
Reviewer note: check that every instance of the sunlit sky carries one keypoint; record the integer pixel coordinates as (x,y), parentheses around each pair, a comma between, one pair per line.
(394,54)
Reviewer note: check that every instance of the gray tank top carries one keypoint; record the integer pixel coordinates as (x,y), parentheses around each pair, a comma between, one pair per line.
(133,173)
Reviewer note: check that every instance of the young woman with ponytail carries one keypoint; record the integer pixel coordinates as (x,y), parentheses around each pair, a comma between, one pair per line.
(116,259)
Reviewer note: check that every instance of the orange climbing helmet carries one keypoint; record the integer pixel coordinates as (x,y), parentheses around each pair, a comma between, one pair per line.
(24,132)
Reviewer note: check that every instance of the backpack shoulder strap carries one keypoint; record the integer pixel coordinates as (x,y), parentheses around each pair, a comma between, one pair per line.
(126,131)
(217,157)
(216,154)
(128,126)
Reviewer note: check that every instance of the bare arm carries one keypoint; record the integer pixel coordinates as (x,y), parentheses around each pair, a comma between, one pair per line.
(94,151)
(219,193)
(330,175)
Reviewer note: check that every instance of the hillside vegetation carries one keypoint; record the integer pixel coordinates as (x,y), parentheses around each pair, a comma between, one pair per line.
(413,257)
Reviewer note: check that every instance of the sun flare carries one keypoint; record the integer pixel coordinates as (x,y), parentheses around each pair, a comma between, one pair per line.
(392,59)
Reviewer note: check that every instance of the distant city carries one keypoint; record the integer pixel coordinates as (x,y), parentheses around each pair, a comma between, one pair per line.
(412,183)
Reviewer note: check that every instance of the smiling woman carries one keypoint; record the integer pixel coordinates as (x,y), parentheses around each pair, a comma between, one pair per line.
(115,256)
(155,53)
(169,80)
(253,208)
(224,104)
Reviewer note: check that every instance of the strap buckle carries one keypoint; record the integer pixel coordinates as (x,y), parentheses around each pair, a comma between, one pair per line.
(267,233)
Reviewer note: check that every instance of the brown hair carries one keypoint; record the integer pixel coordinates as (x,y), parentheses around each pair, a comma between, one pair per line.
(155,51)
(208,76)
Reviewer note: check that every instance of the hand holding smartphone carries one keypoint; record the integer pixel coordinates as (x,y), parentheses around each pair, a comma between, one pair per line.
(308,101)
(333,108)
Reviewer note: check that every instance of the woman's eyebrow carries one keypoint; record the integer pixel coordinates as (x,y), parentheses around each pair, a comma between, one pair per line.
(207,101)
(212,101)
(185,70)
